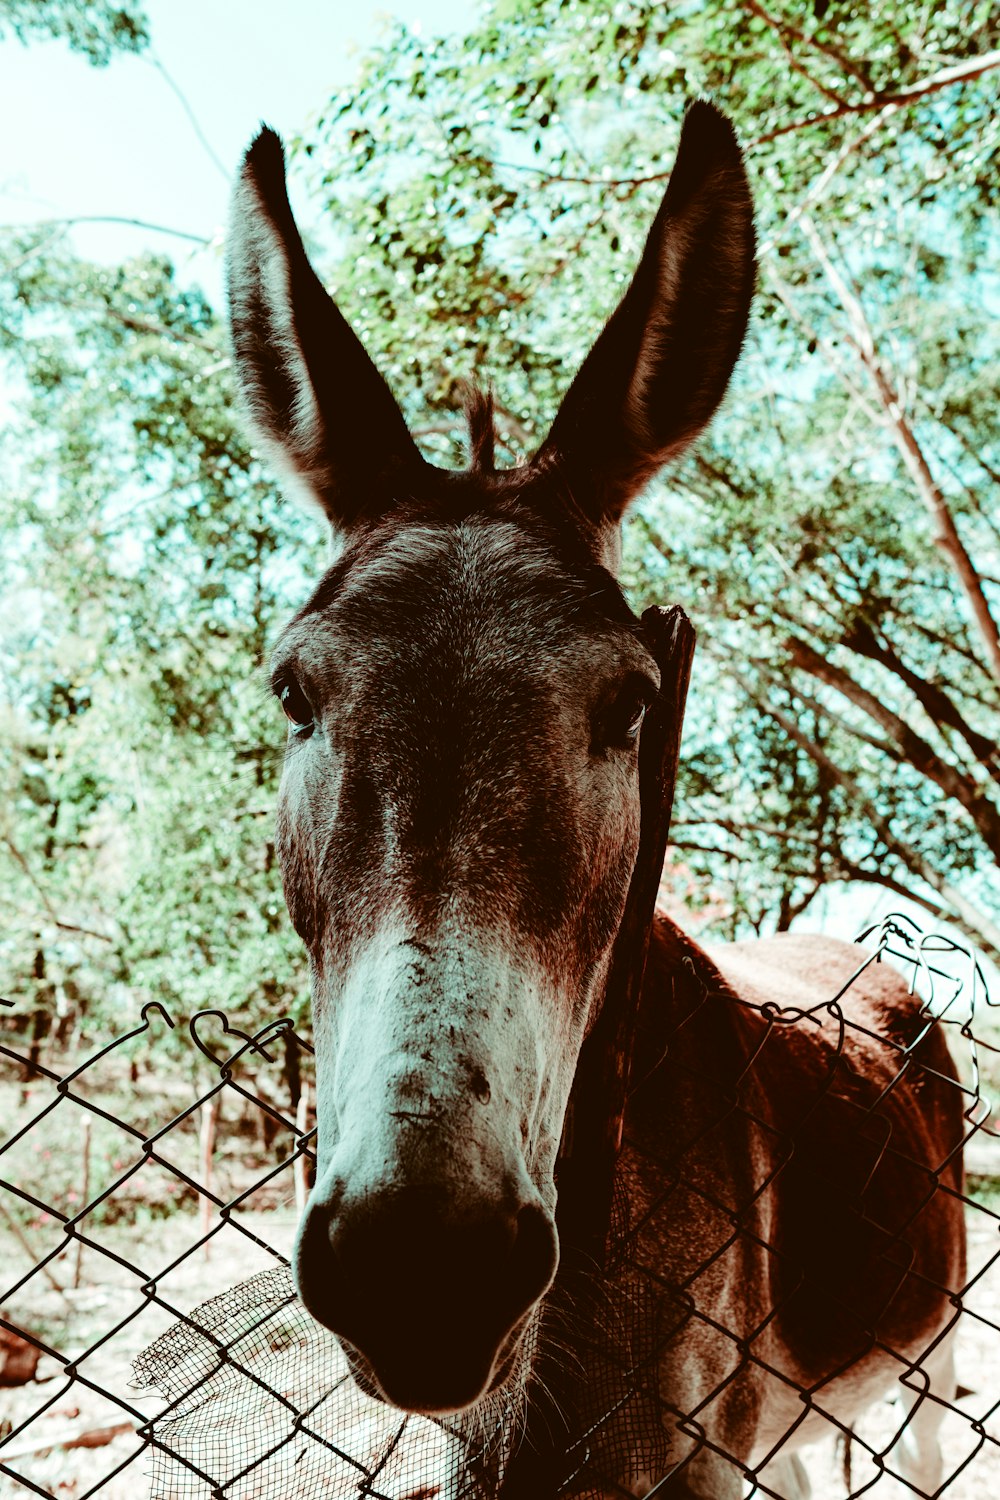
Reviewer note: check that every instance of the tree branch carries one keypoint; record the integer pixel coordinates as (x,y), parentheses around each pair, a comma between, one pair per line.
(157,330)
(819,186)
(785,28)
(935,702)
(784,294)
(886,101)
(39,891)
(962,689)
(67,222)
(193,121)
(845,869)
(884,747)
(946,537)
(782,31)
(743,826)
(790,908)
(975,922)
(881,99)
(514,426)
(915,749)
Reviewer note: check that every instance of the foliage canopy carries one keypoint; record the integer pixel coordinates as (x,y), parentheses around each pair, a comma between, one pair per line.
(96,28)
(836,536)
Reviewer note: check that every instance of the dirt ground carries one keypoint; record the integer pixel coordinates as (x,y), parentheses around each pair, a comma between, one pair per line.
(77,1320)
(72,1433)
(113,1317)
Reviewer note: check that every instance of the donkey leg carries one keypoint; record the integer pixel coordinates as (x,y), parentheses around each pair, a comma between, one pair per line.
(917,1453)
(786,1476)
(706,1477)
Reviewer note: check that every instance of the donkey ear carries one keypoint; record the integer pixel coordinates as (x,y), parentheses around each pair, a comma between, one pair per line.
(317,403)
(660,368)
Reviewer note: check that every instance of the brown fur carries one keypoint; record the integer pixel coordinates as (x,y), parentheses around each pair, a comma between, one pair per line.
(457,825)
(816,1157)
(790,1229)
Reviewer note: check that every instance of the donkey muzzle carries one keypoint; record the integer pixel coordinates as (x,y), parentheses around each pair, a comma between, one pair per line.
(428,1298)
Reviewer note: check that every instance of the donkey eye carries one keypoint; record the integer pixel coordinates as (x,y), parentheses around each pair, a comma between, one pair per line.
(629,715)
(620,724)
(636,714)
(296,706)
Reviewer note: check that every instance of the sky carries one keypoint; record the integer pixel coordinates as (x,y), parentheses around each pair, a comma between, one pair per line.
(117,141)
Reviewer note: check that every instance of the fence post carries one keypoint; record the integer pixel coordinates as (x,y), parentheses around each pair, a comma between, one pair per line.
(206,1141)
(299,1164)
(595,1117)
(84,1196)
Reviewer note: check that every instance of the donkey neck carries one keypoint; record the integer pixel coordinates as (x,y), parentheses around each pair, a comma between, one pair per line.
(687,1005)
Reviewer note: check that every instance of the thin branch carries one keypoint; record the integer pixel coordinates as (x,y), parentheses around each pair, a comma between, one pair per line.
(885,101)
(845,869)
(741,827)
(939,707)
(40,892)
(884,747)
(67,221)
(775,679)
(784,294)
(952,644)
(971,452)
(102,937)
(136,325)
(595,179)
(946,538)
(31,1250)
(516,428)
(182,99)
(120,520)
(158,330)
(964,72)
(833,166)
(569,255)
(916,752)
(693,847)
(782,31)
(453,429)
(785,28)
(12,267)
(985,930)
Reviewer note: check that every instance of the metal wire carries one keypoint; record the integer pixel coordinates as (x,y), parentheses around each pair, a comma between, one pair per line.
(251,1399)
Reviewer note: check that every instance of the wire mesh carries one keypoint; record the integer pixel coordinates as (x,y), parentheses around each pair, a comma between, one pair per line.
(182,1366)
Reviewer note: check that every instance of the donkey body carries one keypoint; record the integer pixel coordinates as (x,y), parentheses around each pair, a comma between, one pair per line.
(457,826)
(784,1181)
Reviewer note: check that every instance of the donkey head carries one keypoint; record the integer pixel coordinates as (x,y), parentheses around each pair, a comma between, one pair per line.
(459,811)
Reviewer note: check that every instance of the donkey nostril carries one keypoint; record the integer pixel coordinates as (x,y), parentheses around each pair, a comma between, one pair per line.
(480,1085)
(534,1255)
(411,1243)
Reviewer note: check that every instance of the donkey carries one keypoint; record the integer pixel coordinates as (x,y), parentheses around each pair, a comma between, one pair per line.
(458,821)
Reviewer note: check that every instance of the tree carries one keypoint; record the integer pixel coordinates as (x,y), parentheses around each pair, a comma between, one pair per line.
(836,537)
(95,28)
(147,563)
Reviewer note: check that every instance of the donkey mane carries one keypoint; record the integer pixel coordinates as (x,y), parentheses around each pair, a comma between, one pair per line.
(482,430)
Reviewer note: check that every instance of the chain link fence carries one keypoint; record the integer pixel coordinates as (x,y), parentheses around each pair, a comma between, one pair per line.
(152,1343)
